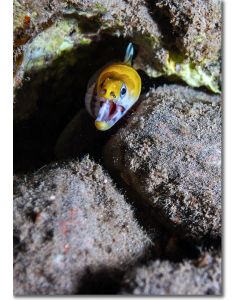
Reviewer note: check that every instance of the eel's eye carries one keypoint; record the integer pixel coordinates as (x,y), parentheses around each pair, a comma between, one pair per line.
(123,91)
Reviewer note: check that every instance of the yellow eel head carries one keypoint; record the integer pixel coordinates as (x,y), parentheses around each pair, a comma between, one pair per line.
(118,88)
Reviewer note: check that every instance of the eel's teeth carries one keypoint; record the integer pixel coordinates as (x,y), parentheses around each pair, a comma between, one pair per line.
(104,111)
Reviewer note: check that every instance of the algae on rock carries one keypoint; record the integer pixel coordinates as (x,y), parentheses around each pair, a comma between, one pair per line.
(141,22)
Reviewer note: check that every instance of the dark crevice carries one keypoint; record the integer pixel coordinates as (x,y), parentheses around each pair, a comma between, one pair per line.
(167,243)
(46,103)
(162,18)
(49,101)
(106,281)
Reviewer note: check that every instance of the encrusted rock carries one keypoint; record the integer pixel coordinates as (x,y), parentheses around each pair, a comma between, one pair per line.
(169,153)
(195,27)
(202,277)
(181,38)
(70,223)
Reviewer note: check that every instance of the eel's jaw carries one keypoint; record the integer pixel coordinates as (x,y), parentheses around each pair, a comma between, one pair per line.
(108,115)
(102,125)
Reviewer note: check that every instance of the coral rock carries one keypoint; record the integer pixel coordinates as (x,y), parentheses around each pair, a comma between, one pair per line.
(169,153)
(184,278)
(70,222)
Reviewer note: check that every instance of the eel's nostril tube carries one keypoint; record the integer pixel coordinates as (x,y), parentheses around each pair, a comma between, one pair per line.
(112,94)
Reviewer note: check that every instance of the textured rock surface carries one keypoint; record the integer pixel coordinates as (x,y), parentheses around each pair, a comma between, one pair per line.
(195,26)
(165,31)
(169,153)
(202,277)
(70,223)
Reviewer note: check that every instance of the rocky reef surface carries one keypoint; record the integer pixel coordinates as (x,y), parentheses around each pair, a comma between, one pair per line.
(199,277)
(181,38)
(69,222)
(137,209)
(170,154)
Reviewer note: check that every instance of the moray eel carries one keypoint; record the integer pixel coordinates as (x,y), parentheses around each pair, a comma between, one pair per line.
(112,91)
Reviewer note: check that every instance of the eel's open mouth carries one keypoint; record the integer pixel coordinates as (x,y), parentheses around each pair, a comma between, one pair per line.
(110,111)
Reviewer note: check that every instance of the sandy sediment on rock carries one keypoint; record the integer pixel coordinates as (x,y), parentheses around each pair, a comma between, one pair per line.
(195,26)
(70,223)
(201,277)
(169,153)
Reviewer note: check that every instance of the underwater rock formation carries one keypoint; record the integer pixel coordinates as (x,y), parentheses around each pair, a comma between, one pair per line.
(70,223)
(199,277)
(155,220)
(169,153)
(180,38)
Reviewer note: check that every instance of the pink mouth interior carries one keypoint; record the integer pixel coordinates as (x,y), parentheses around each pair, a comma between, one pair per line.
(113,110)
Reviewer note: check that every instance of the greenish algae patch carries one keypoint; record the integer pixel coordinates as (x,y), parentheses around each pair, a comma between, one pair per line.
(100,8)
(85,41)
(192,74)
(65,35)
(61,37)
